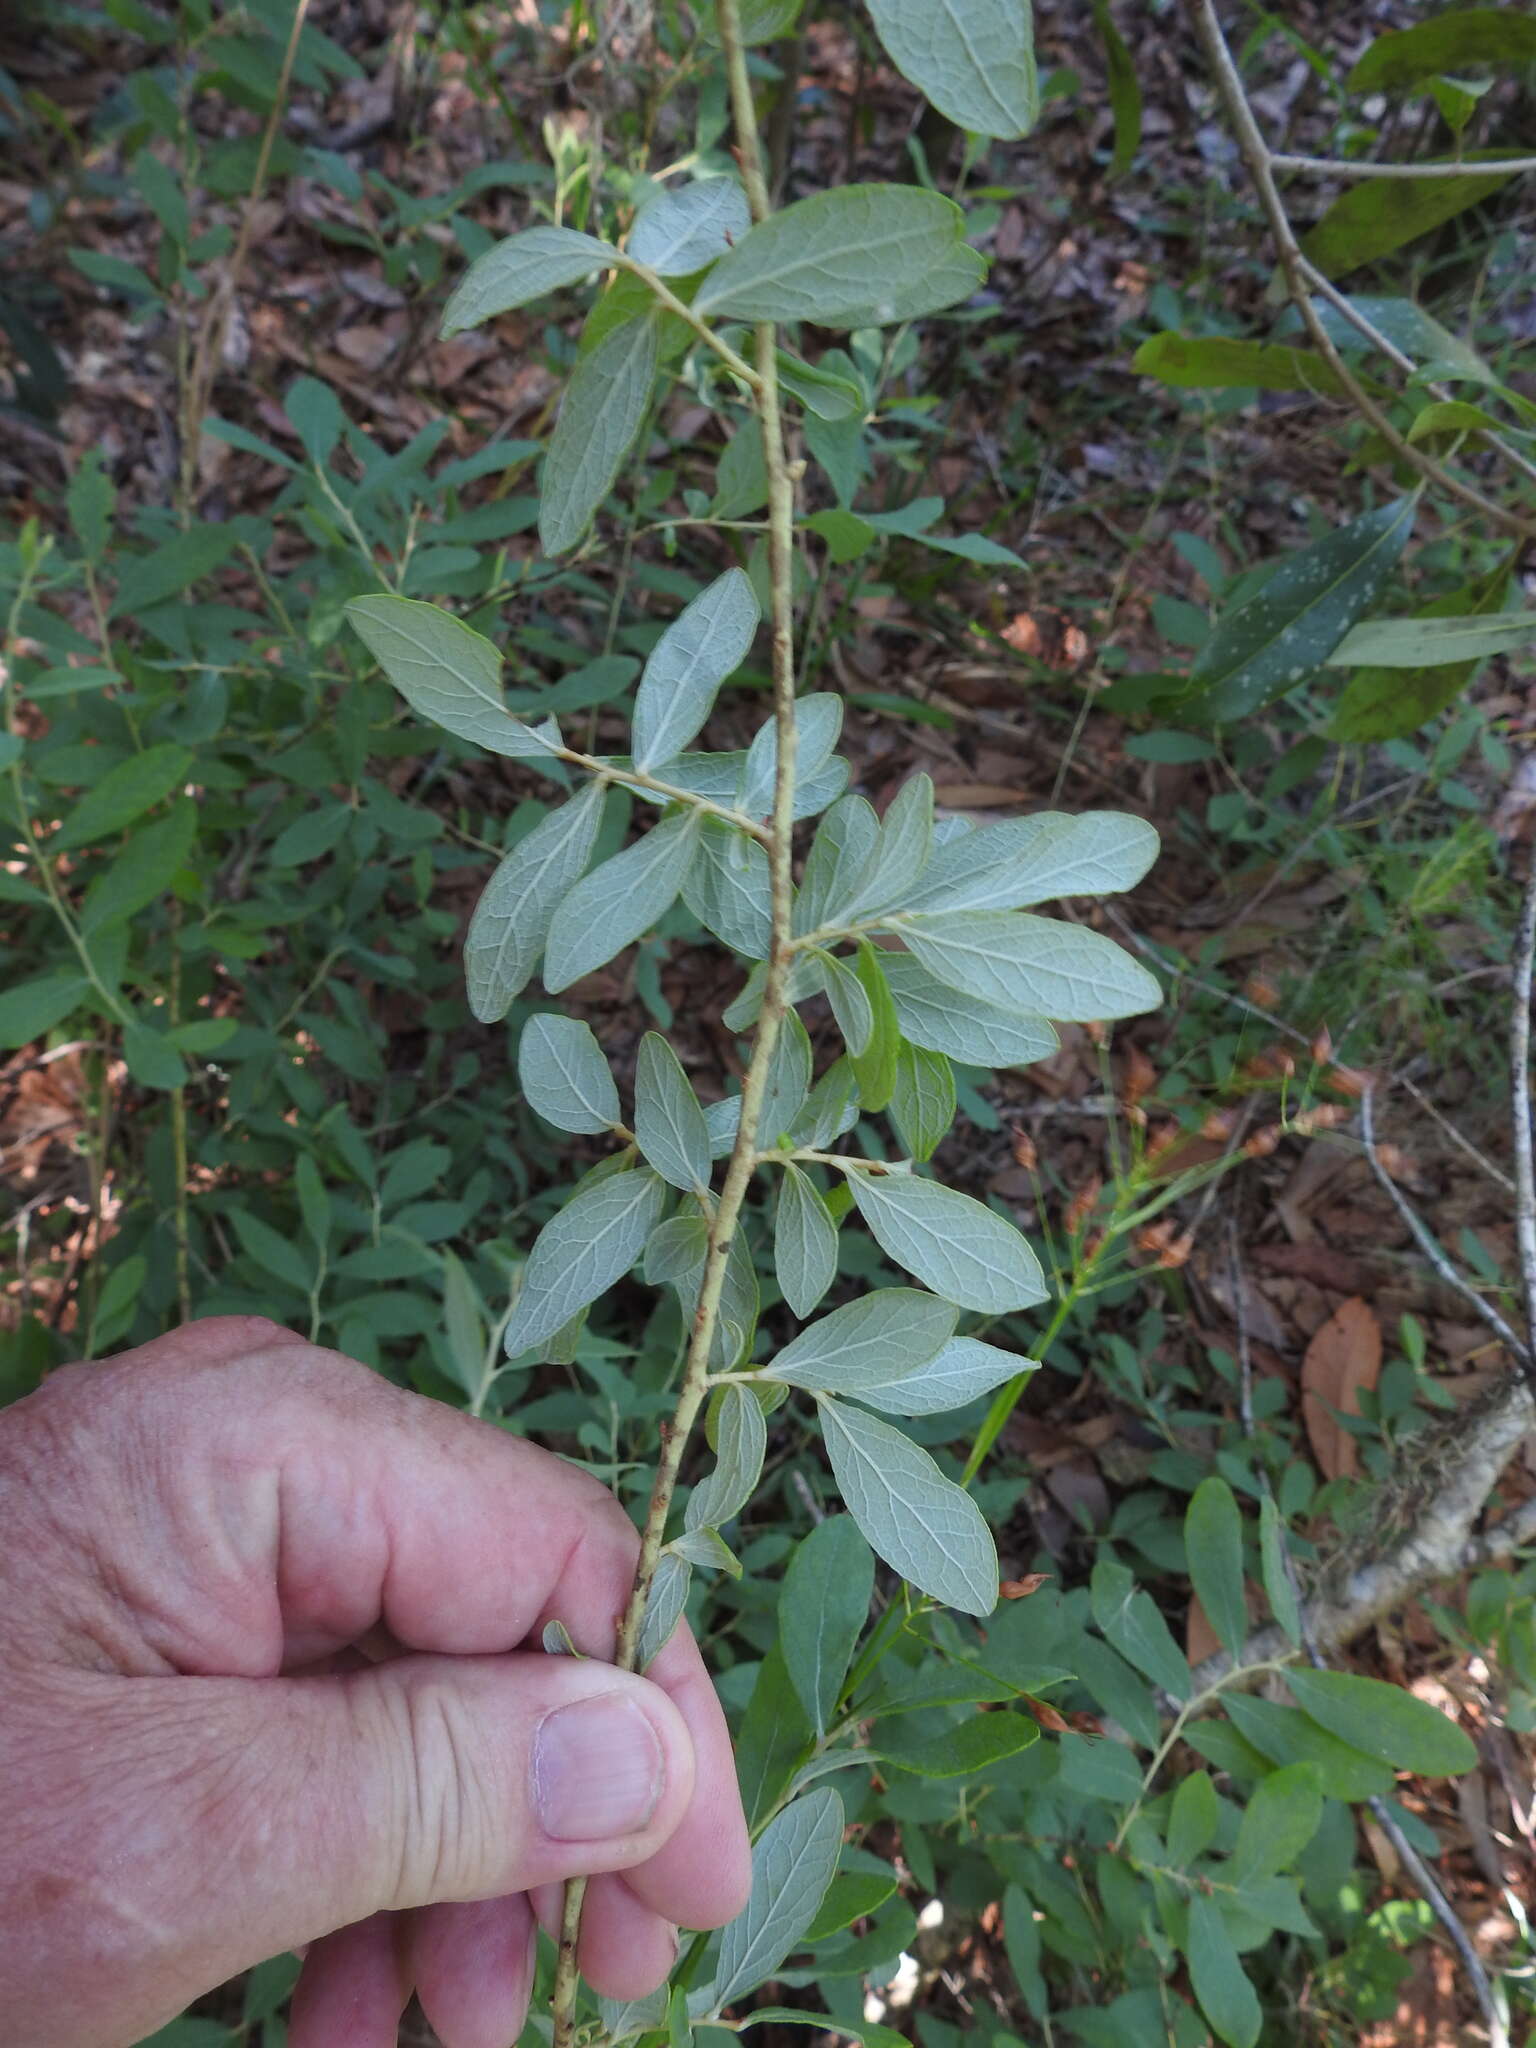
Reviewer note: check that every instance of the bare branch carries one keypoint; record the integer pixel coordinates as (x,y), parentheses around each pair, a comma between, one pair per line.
(1335,167)
(1520,1107)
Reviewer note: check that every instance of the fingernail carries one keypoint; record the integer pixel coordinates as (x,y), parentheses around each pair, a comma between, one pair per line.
(597,1769)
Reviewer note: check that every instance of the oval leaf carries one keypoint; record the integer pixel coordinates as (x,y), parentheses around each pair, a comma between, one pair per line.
(823,1606)
(683,231)
(448,672)
(880,1337)
(565,1077)
(611,907)
(974,59)
(1384,1721)
(593,1241)
(921,1523)
(521,268)
(1213,1544)
(792,1864)
(669,1123)
(511,920)
(600,415)
(804,1243)
(951,1242)
(689,663)
(1037,965)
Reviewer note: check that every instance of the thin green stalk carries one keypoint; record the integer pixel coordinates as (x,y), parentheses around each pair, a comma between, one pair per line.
(694,1389)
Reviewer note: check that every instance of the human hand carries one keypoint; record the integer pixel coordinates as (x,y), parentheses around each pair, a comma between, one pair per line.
(269,1675)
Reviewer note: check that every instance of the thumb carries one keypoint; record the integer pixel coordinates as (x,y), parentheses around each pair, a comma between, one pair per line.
(252,1815)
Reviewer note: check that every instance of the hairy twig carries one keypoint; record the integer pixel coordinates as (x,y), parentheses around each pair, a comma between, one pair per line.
(1261,166)
(695,1384)
(1520,1108)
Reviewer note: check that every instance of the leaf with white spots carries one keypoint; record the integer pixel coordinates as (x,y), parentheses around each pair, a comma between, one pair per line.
(1276,640)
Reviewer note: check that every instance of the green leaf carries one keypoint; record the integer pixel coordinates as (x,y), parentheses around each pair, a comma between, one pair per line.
(1278,1589)
(151,1058)
(852,1896)
(463,1325)
(1219,362)
(1124,91)
(823,393)
(669,1124)
(1118,1689)
(448,673)
(835,865)
(610,908)
(1404,58)
(741,475)
(1279,637)
(90,501)
(663,1607)
(966,1750)
(1286,1736)
(522,268)
(961,1372)
(593,1241)
(512,918)
(1035,964)
(143,869)
(683,231)
(741,1441)
(1192,1819)
(1279,1821)
(31,1009)
(875,1067)
(804,1243)
(1226,1997)
(1021,1939)
(922,1524)
(1388,703)
(173,567)
(880,1337)
(604,405)
(860,256)
(1213,1544)
(823,1606)
(687,666)
(851,1007)
(1377,215)
(624,2017)
(123,794)
(954,1244)
(1131,1620)
(316,416)
(729,889)
(792,1864)
(564,1076)
(974,59)
(1022,861)
(1384,1721)
(901,855)
(866,2031)
(922,1102)
(789,1077)
(818,724)
(1427,642)
(930,1013)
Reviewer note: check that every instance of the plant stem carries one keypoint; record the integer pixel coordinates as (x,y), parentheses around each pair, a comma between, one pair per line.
(1261,166)
(1334,167)
(743,1160)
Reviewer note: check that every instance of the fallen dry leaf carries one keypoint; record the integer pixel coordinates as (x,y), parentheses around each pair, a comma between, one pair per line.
(1020,1589)
(1343,1357)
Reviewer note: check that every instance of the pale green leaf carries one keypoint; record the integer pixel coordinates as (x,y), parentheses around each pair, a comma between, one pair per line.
(688,664)
(1213,1545)
(600,415)
(522,268)
(859,256)
(664,1606)
(564,1076)
(906,840)
(1032,964)
(880,1337)
(610,908)
(823,1606)
(581,1252)
(954,1244)
(447,672)
(1020,861)
(922,1524)
(804,1243)
(741,1438)
(682,231)
(625,2017)
(463,1325)
(834,868)
(1427,643)
(789,1079)
(1279,637)
(511,920)
(981,1034)
(741,474)
(793,1860)
(850,1002)
(729,889)
(974,59)
(818,726)
(963,1370)
(669,1124)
